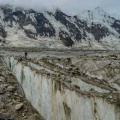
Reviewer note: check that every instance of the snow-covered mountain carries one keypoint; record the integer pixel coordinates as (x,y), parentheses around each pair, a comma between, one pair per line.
(89,29)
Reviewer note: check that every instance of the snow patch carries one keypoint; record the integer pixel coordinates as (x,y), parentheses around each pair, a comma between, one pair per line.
(30,28)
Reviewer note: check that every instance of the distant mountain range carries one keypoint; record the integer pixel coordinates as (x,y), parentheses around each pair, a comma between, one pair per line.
(88,30)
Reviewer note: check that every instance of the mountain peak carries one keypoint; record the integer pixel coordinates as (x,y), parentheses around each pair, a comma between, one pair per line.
(99,11)
(97,15)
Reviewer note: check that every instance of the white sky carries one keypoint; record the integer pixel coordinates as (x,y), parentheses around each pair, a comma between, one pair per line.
(68,6)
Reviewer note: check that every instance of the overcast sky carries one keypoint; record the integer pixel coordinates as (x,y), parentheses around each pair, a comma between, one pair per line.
(68,6)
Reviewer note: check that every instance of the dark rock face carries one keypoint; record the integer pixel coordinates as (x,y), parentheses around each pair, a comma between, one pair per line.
(66,40)
(74,31)
(3,34)
(41,29)
(116,25)
(98,31)
(72,27)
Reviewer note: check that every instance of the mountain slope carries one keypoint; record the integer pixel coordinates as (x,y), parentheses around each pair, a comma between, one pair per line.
(90,29)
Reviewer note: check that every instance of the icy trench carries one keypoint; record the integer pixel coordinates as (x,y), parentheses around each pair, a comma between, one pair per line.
(55,100)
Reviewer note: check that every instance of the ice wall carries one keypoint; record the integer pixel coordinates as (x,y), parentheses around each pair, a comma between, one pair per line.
(55,100)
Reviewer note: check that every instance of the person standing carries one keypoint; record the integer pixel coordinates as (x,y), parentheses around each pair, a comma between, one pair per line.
(26,54)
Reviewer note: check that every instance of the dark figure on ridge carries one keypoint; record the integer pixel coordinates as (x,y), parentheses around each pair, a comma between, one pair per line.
(26,54)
